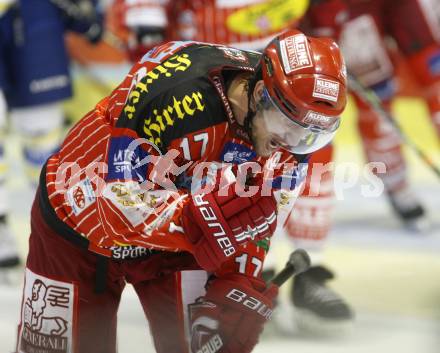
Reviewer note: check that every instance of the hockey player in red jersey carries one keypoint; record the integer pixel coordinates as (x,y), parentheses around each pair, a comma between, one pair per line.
(417,39)
(309,225)
(368,59)
(134,195)
(34,81)
(250,25)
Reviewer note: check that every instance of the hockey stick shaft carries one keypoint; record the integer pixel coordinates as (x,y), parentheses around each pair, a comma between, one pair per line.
(370,97)
(299,261)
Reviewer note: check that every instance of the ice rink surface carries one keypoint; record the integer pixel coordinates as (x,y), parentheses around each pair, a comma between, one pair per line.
(390,276)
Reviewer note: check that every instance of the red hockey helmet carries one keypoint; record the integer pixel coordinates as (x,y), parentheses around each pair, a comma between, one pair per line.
(305,79)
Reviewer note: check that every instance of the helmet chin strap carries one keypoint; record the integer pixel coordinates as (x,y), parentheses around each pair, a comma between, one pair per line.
(247,123)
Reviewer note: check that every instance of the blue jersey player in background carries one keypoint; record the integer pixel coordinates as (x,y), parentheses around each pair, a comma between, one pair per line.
(34,81)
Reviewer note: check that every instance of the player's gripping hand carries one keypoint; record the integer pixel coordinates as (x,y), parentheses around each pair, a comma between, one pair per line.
(218,222)
(230,318)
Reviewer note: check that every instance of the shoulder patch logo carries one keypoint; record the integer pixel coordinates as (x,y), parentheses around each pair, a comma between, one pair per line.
(127,160)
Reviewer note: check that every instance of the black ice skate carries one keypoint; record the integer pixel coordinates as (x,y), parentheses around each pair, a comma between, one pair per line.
(318,309)
(409,210)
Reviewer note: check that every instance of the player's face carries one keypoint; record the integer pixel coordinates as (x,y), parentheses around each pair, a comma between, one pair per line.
(271,131)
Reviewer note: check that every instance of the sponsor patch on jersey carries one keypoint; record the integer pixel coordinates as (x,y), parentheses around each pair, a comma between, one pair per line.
(236,153)
(291,179)
(126,159)
(314,118)
(157,121)
(81,196)
(136,204)
(130,200)
(234,54)
(295,53)
(130,252)
(326,89)
(145,81)
(48,315)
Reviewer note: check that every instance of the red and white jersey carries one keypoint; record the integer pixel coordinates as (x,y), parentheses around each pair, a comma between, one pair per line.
(123,174)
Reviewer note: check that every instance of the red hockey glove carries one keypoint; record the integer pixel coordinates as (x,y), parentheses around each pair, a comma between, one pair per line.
(230,318)
(217,225)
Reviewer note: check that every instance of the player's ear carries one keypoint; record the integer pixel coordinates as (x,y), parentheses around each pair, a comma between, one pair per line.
(258,91)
